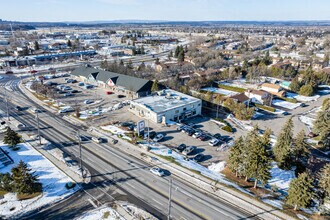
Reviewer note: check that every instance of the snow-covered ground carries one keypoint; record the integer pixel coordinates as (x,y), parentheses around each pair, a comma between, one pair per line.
(302,98)
(285,104)
(281,178)
(276,203)
(217,167)
(1,77)
(52,179)
(308,121)
(115,130)
(220,91)
(137,212)
(100,213)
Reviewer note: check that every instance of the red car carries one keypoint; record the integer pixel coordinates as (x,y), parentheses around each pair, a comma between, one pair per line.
(33,71)
(109,92)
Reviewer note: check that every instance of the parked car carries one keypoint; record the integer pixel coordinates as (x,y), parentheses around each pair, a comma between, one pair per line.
(214,142)
(81,84)
(157,171)
(190,132)
(203,137)
(22,127)
(188,150)
(197,134)
(68,94)
(88,86)
(181,147)
(181,127)
(198,158)
(109,92)
(86,102)
(217,136)
(61,92)
(9,72)
(152,134)
(158,137)
(82,138)
(74,91)
(35,110)
(121,96)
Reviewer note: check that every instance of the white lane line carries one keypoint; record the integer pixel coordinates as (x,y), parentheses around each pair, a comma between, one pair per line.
(158,202)
(130,185)
(91,202)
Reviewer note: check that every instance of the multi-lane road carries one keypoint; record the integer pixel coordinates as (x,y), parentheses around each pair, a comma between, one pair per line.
(116,175)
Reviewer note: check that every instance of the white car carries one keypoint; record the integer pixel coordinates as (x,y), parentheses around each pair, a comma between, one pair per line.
(157,171)
(158,137)
(86,102)
(65,110)
(214,142)
(197,135)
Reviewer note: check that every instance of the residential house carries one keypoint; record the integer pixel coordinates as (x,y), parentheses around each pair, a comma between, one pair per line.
(258,96)
(273,89)
(241,98)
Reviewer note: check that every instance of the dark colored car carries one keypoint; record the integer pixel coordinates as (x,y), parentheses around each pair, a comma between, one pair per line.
(9,72)
(18,108)
(190,132)
(181,147)
(198,158)
(152,134)
(203,137)
(121,96)
(74,91)
(217,136)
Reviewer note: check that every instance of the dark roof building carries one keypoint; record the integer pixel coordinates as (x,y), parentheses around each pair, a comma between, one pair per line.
(115,81)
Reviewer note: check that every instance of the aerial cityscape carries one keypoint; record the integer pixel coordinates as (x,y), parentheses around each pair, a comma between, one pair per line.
(183,110)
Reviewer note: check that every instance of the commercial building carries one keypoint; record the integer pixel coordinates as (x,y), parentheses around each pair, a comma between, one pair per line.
(166,105)
(132,87)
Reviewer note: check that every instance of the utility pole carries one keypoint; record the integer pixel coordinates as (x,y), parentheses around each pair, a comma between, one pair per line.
(169,200)
(7,107)
(38,123)
(80,159)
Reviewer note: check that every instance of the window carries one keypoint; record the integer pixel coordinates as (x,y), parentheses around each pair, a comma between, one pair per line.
(176,111)
(184,109)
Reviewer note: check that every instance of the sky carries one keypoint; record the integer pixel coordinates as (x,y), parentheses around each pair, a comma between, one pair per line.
(169,10)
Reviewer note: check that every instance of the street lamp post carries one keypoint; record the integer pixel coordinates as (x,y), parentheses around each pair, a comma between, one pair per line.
(80,158)
(169,199)
(38,124)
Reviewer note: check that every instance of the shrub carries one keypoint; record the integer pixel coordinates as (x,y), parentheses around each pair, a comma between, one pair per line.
(70,185)
(227,128)
(267,108)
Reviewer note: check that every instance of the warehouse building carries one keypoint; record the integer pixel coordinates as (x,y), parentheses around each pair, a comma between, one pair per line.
(167,105)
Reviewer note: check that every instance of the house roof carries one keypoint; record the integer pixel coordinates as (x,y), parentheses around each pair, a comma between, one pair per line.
(240,97)
(270,85)
(128,82)
(256,92)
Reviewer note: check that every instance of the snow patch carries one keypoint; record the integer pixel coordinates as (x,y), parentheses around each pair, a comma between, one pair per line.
(98,214)
(217,167)
(285,104)
(220,91)
(281,178)
(302,98)
(52,179)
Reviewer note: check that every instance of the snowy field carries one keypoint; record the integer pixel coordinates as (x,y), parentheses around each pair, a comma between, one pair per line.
(285,104)
(53,182)
(115,130)
(100,213)
(220,91)
(302,98)
(280,178)
(217,167)
(308,121)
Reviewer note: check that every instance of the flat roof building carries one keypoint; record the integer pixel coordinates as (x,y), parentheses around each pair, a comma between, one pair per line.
(166,105)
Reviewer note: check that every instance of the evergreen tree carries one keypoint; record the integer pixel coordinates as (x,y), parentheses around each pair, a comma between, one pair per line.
(129,64)
(25,181)
(104,64)
(171,54)
(295,85)
(322,124)
(142,50)
(300,193)
(300,149)
(36,45)
(181,56)
(306,90)
(154,87)
(134,51)
(282,149)
(6,182)
(236,157)
(69,43)
(258,162)
(324,179)
(11,138)
(177,51)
